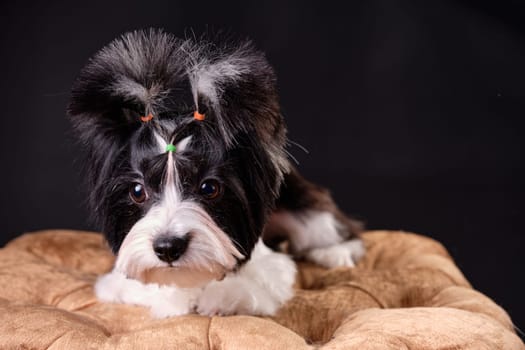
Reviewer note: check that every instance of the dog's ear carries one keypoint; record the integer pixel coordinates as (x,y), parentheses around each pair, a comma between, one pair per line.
(237,84)
(122,84)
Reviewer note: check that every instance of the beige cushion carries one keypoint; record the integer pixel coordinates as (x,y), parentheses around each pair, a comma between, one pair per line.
(406,293)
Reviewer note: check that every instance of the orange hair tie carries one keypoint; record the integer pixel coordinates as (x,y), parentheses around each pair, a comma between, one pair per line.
(198,116)
(147,118)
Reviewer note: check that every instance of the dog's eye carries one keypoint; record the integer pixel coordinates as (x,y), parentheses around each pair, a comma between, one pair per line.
(210,189)
(137,193)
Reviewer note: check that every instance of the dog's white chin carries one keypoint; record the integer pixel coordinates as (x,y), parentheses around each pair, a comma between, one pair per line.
(181,277)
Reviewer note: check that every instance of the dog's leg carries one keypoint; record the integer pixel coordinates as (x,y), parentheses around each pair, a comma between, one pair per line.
(259,287)
(164,301)
(316,229)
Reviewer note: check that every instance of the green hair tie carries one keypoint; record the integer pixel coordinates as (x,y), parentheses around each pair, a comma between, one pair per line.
(170,148)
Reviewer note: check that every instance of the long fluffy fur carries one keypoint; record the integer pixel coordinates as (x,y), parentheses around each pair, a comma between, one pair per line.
(153,72)
(222,266)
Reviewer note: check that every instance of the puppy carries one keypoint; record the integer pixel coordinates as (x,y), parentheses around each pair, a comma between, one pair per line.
(187,171)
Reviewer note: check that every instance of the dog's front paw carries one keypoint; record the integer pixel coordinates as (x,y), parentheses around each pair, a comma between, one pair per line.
(163,301)
(171,301)
(227,297)
(237,298)
(347,253)
(260,287)
(218,302)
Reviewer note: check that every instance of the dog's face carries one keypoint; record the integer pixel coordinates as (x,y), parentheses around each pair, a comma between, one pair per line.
(181,200)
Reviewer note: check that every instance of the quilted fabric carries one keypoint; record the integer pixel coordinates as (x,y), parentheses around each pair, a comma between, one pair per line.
(406,293)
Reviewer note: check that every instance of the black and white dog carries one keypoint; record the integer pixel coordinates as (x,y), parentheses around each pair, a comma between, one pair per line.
(188,172)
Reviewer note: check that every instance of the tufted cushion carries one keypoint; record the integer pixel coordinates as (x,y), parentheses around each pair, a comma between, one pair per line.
(406,293)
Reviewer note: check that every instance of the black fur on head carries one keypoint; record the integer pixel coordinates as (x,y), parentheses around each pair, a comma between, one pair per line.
(239,145)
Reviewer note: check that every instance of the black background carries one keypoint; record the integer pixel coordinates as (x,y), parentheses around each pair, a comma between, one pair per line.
(412,112)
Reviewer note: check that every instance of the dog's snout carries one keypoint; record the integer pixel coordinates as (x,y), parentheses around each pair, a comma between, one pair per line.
(169,249)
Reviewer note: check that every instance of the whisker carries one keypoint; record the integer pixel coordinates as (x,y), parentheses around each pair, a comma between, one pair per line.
(520,332)
(292,157)
(301,147)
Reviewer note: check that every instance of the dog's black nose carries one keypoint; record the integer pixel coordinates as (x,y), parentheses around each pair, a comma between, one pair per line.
(169,249)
